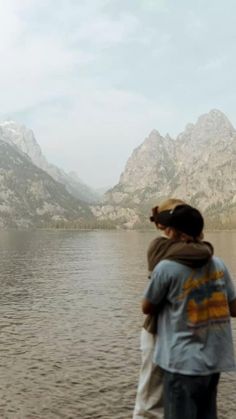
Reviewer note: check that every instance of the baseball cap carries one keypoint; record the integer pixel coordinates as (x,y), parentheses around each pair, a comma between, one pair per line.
(183,218)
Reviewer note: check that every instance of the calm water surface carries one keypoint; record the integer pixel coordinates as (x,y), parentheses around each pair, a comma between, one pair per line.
(70,321)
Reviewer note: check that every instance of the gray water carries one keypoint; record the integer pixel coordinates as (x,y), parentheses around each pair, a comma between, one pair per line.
(70,321)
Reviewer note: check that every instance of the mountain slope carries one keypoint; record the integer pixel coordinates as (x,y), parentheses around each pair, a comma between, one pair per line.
(150,165)
(30,197)
(24,139)
(198,166)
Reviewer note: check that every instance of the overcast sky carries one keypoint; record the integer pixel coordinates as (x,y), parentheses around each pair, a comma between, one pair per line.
(92,78)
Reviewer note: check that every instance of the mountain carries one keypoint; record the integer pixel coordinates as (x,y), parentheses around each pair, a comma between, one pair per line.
(23,138)
(198,166)
(29,197)
(150,165)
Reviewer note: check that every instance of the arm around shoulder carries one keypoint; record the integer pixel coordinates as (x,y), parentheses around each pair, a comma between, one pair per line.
(148,308)
(232,308)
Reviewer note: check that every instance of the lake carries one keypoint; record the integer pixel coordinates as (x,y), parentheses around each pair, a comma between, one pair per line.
(70,321)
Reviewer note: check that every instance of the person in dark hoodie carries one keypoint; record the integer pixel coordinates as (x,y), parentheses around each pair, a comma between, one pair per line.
(149,397)
(194,305)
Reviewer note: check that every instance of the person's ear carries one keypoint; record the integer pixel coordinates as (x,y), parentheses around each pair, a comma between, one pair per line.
(170,232)
(161,227)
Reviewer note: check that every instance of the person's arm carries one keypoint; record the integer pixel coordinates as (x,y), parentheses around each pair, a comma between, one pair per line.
(232,308)
(156,291)
(156,252)
(148,308)
(231,292)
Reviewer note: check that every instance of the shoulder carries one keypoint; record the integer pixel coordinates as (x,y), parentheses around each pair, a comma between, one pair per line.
(156,251)
(169,267)
(218,262)
(157,242)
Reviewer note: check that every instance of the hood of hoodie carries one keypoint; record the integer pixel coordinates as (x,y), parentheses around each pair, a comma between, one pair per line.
(193,254)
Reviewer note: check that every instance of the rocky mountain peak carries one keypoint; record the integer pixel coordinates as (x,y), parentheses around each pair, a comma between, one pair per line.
(23,138)
(215,121)
(154,134)
(210,128)
(148,167)
(155,141)
(29,196)
(151,141)
(199,166)
(154,151)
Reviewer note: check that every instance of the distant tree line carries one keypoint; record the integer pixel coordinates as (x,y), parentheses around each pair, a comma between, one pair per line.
(81,225)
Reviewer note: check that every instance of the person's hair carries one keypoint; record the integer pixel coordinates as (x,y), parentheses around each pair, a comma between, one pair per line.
(169,204)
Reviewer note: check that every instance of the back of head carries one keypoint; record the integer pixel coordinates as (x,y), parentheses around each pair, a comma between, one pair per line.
(168,204)
(184,218)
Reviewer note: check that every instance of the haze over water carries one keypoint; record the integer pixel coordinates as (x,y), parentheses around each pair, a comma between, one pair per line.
(70,321)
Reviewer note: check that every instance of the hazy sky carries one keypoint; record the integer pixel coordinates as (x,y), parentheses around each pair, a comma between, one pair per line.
(92,78)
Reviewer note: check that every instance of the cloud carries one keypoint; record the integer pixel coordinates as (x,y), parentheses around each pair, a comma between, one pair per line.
(92,78)
(106,32)
(39,64)
(213,65)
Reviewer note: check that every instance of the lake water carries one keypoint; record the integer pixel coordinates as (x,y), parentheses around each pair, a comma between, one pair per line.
(70,321)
